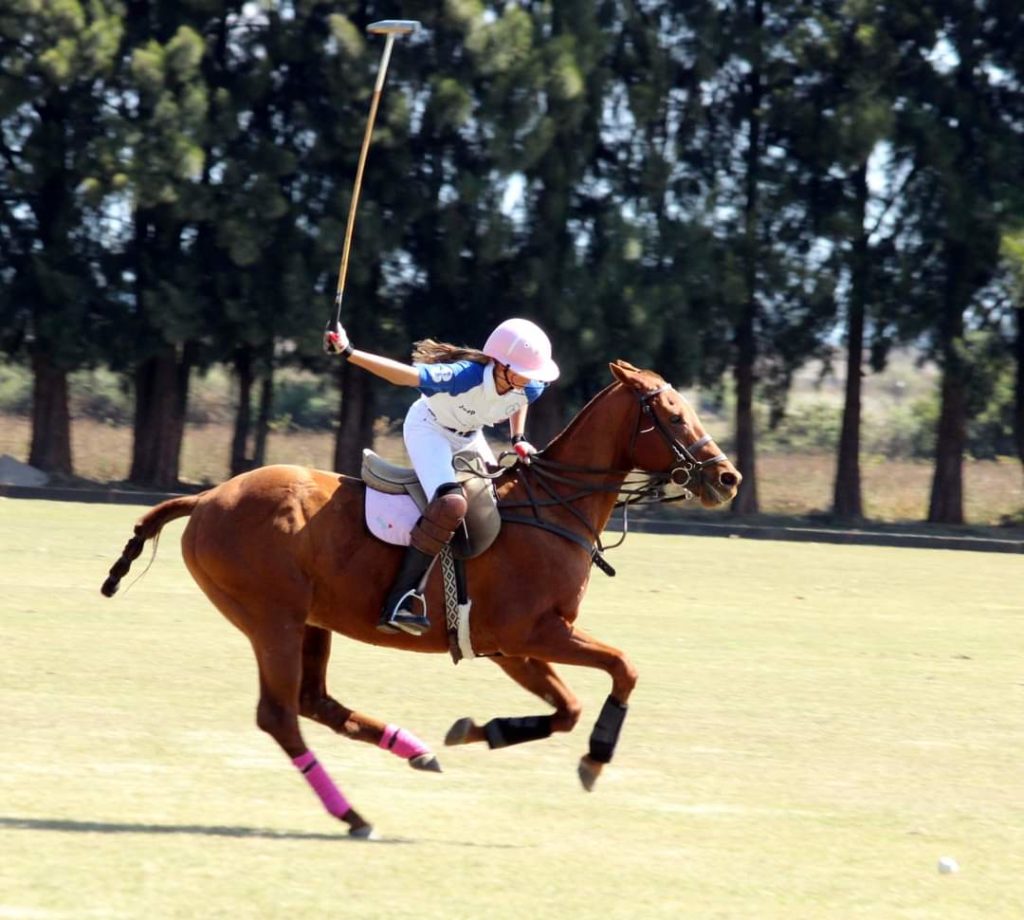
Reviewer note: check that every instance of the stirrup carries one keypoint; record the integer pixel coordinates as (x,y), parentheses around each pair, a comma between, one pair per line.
(404,619)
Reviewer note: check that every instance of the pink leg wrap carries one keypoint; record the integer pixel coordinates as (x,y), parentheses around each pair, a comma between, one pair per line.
(322,784)
(402,743)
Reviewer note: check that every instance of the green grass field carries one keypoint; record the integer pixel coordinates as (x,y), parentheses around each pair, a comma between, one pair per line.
(814,727)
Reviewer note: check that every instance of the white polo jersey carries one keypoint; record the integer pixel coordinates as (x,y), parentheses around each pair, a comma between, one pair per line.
(462,396)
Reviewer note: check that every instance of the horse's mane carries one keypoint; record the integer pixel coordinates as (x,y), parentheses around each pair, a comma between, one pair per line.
(581,416)
(599,397)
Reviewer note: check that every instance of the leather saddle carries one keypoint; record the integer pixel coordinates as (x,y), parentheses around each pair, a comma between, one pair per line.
(483,520)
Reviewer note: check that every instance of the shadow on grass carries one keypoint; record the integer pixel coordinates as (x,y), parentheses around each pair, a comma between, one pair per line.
(202,830)
(66,826)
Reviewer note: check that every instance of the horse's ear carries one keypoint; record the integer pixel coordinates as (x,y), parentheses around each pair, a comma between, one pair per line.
(626,373)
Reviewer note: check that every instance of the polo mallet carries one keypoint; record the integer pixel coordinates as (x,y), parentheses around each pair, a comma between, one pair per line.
(391,28)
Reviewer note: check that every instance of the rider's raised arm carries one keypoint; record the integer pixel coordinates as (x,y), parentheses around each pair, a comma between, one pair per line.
(337,342)
(393,371)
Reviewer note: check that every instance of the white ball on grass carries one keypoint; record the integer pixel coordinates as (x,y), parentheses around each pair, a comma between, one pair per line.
(948,865)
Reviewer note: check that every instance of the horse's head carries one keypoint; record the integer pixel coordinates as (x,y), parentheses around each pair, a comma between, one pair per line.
(670,439)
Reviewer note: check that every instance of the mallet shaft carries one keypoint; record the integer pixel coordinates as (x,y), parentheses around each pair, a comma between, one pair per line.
(354,205)
(390,28)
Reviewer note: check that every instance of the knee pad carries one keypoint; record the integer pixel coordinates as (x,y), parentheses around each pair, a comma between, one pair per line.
(440,519)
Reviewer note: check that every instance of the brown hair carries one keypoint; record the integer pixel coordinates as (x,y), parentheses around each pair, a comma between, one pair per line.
(429,351)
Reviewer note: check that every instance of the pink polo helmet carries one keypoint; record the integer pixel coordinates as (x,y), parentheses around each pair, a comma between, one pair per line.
(524,347)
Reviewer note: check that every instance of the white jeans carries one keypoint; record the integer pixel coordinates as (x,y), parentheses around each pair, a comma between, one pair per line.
(431,447)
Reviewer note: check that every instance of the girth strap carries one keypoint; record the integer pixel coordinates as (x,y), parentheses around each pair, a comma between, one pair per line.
(595,554)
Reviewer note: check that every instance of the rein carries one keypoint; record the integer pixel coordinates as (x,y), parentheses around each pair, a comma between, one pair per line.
(648,490)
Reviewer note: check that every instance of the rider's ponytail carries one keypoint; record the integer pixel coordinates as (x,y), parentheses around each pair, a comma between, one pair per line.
(430,351)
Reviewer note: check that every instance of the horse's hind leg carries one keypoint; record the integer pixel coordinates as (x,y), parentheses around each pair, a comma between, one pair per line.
(317,704)
(277,641)
(540,679)
(278,648)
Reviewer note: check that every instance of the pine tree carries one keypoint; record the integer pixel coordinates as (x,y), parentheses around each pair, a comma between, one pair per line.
(55,61)
(162,105)
(756,178)
(962,124)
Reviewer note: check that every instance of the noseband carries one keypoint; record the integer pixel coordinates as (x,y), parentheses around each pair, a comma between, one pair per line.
(686,465)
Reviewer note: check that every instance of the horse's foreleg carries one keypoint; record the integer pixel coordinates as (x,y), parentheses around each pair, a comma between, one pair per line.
(317,704)
(556,641)
(541,680)
(278,648)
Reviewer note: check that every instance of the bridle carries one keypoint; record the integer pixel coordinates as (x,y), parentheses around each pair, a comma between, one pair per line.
(542,474)
(687,465)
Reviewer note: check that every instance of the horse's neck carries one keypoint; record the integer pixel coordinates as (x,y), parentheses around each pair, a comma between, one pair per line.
(599,438)
(601,433)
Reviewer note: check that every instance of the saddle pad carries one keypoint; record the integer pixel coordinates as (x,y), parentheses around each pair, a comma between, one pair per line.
(390,518)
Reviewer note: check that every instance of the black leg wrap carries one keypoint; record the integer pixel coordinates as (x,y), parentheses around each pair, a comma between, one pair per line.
(605,735)
(504,732)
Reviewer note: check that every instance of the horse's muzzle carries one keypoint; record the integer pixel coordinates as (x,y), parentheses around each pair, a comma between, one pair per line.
(719,484)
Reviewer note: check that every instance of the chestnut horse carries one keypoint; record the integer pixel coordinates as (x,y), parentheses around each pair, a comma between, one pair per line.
(284,553)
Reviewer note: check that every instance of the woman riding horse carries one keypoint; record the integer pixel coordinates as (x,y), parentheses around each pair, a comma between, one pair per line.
(461,391)
(285,554)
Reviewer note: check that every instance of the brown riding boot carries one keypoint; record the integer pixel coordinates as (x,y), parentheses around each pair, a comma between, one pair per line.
(406,604)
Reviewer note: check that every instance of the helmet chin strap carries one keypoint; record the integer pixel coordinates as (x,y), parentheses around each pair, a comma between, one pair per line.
(508,384)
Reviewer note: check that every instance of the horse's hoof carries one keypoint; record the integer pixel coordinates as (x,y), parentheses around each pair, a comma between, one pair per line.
(588,772)
(358,826)
(425,761)
(459,732)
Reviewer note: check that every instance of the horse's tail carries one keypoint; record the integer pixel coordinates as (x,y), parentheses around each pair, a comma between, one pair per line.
(149,525)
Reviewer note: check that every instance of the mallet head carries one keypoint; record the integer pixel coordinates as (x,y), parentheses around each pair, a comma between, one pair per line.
(394,27)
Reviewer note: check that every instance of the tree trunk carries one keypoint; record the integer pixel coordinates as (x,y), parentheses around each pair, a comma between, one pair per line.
(259,452)
(159,408)
(243,412)
(846,501)
(355,428)
(50,449)
(746,501)
(946,505)
(161,392)
(1018,387)
(54,210)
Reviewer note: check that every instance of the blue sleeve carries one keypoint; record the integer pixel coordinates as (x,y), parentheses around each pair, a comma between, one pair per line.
(533,390)
(449,378)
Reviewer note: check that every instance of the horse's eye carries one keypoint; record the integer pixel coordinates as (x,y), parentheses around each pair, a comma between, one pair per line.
(676,419)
